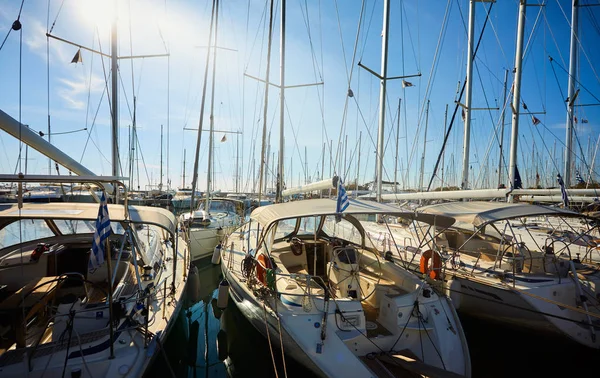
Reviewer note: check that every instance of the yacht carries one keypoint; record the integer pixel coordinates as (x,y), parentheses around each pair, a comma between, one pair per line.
(312,282)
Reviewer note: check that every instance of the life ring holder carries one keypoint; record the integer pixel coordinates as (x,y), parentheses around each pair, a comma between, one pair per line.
(262,264)
(435,272)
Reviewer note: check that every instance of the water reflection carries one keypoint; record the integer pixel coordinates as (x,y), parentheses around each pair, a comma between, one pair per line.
(202,332)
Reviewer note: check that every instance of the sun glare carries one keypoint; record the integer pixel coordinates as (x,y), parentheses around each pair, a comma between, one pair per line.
(96,13)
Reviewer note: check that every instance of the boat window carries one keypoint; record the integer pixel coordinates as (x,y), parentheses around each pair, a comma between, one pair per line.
(308,225)
(222,207)
(285,228)
(68,227)
(342,229)
(24,230)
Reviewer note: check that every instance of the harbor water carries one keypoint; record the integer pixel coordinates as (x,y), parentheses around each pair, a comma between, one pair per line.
(209,342)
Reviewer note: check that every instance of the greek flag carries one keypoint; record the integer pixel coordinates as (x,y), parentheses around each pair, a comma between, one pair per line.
(342,198)
(563,191)
(102,232)
(579,178)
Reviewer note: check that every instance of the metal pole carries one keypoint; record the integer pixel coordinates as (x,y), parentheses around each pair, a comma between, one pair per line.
(110,298)
(502,129)
(212,114)
(397,141)
(266,107)
(468,97)
(420,188)
(281,104)
(514,136)
(237,164)
(444,152)
(161,159)
(201,122)
(358,160)
(380,131)
(571,91)
(115,94)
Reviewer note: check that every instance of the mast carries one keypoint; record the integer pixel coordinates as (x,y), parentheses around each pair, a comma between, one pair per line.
(237,164)
(502,130)
(397,141)
(358,160)
(183,184)
(114,100)
(571,91)
(212,110)
(468,97)
(444,152)
(382,88)
(279,186)
(514,135)
(266,107)
(424,147)
(202,101)
(160,186)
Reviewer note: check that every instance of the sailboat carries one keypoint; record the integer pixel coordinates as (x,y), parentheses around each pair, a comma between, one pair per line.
(87,289)
(307,276)
(215,218)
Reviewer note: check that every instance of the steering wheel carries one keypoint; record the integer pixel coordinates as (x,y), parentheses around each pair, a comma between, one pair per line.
(366,260)
(520,248)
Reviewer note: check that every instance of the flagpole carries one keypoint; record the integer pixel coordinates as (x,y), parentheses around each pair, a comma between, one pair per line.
(110,298)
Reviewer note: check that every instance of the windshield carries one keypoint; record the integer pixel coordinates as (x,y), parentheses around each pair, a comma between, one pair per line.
(220,207)
(342,229)
(25,230)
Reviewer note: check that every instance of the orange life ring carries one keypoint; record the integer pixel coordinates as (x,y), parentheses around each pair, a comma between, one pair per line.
(437,264)
(264,263)
(594,243)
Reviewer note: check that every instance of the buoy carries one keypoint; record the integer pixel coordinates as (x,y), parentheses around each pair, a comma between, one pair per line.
(223,296)
(193,289)
(453,289)
(222,351)
(216,257)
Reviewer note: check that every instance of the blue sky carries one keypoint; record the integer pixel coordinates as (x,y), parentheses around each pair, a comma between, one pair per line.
(320,45)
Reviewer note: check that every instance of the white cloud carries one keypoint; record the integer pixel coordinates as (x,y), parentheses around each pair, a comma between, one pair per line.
(74,91)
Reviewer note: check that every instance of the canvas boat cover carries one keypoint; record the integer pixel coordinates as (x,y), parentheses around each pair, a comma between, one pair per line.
(266,215)
(480,213)
(88,211)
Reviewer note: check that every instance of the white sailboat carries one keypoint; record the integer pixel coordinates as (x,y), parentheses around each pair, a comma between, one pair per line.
(215,218)
(308,277)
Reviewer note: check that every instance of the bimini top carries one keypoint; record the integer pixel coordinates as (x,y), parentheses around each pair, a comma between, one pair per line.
(481,213)
(87,211)
(268,214)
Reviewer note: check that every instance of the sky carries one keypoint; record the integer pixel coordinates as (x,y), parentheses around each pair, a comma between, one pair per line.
(325,41)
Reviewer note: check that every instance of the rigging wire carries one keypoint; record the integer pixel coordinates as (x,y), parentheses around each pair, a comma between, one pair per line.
(430,81)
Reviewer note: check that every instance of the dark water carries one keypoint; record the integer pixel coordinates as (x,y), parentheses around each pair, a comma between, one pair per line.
(496,350)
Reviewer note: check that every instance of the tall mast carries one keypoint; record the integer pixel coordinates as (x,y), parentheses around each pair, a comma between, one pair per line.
(420,188)
(183,184)
(444,152)
(237,164)
(264,130)
(212,109)
(382,87)
(571,91)
(160,186)
(115,93)
(202,101)
(397,141)
(502,130)
(358,160)
(281,104)
(468,97)
(514,135)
